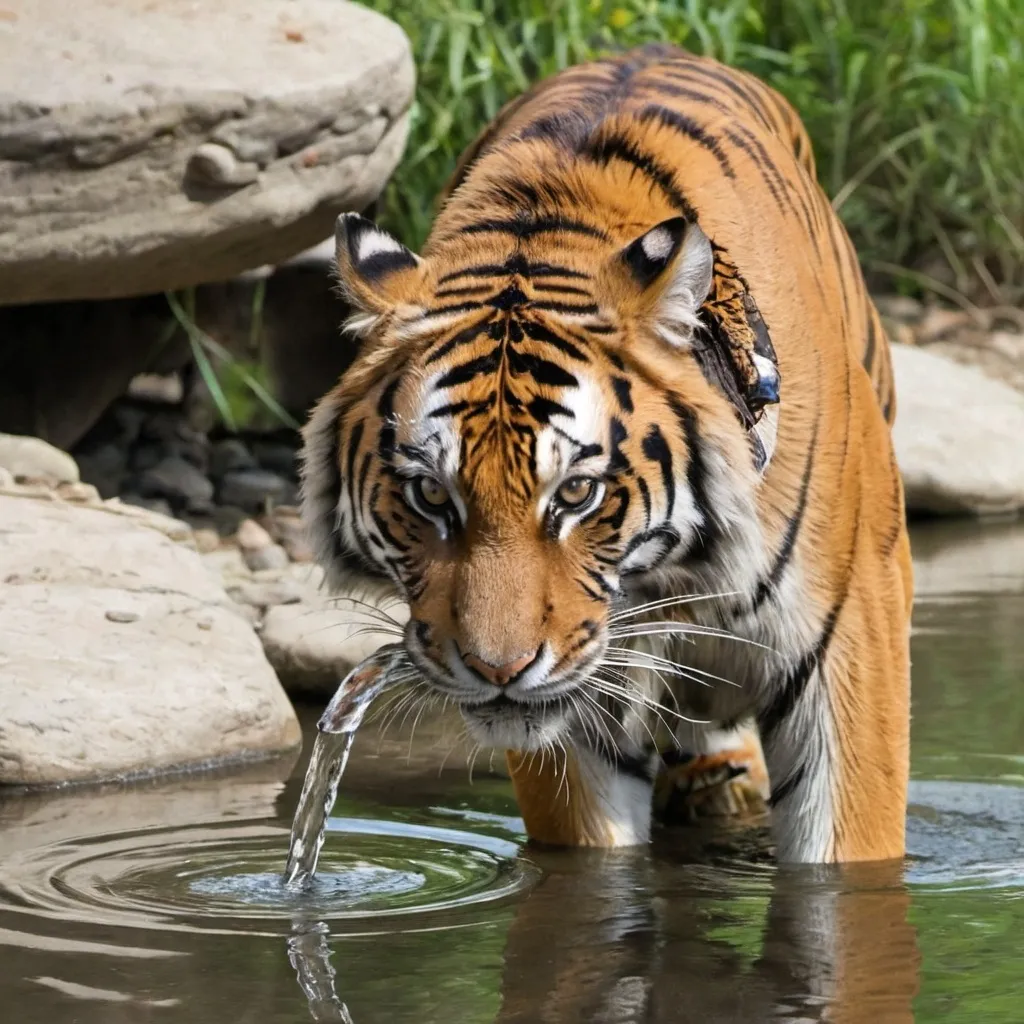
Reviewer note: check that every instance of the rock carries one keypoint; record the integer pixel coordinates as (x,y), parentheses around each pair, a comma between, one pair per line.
(999,354)
(899,307)
(105,467)
(288,529)
(278,457)
(227,519)
(29,458)
(154,387)
(253,488)
(159,505)
(179,482)
(252,537)
(957,437)
(115,698)
(940,323)
(229,455)
(312,645)
(159,157)
(206,541)
(267,595)
(273,556)
(65,363)
(84,494)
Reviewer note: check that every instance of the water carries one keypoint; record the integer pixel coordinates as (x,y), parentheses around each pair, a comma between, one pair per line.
(336,732)
(164,901)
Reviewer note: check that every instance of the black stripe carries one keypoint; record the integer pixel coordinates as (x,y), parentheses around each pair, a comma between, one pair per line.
(645,496)
(618,147)
(543,371)
(697,481)
(466,372)
(524,227)
(542,409)
(551,306)
(688,127)
(785,552)
(566,289)
(538,332)
(385,409)
(355,439)
(781,791)
(727,80)
(515,264)
(872,342)
(464,337)
(656,449)
(795,682)
(623,393)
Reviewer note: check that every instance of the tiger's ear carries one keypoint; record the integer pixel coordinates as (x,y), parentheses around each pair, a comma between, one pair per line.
(665,276)
(376,272)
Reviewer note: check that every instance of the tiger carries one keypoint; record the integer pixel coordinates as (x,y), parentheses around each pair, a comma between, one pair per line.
(620,439)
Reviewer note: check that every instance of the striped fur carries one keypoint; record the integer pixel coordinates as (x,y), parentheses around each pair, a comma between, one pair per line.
(635,280)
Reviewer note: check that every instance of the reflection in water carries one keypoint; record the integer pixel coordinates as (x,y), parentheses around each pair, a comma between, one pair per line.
(161,900)
(604,943)
(310,956)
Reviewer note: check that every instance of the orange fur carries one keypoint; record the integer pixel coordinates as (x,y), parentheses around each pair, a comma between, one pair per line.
(525,294)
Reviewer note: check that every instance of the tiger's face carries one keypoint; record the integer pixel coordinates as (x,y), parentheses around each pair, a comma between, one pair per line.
(516,452)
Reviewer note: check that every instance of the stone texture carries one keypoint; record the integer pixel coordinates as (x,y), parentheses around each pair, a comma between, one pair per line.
(151,147)
(29,458)
(252,488)
(958,437)
(313,644)
(179,482)
(273,556)
(121,654)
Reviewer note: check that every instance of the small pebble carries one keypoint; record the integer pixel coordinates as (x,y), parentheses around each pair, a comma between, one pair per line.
(119,615)
(206,540)
(271,557)
(267,595)
(252,537)
(79,493)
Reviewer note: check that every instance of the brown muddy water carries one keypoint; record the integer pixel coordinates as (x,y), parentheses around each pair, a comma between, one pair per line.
(160,901)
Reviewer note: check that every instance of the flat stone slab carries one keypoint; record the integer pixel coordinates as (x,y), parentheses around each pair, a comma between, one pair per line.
(120,654)
(146,147)
(957,437)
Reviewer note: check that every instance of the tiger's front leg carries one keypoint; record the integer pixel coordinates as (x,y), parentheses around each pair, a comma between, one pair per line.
(587,793)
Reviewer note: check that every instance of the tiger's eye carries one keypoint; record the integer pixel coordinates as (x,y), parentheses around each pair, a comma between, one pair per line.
(576,492)
(432,493)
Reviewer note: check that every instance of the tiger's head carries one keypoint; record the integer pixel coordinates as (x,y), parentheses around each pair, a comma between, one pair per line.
(523,441)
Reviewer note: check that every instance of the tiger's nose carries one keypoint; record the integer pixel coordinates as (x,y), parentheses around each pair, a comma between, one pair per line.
(500,675)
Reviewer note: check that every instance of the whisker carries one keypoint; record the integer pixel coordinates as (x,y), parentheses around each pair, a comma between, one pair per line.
(667,602)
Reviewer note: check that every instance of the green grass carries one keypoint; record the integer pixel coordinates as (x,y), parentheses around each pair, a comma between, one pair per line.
(916,109)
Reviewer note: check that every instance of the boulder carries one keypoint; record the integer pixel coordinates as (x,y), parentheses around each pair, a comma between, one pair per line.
(313,644)
(147,147)
(959,437)
(121,654)
(30,458)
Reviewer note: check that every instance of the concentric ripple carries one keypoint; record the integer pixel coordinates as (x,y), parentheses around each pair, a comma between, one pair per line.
(226,877)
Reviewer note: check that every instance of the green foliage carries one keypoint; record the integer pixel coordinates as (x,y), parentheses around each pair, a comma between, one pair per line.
(240,391)
(916,107)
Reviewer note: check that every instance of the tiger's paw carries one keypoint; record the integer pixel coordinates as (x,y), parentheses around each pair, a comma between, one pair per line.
(726,784)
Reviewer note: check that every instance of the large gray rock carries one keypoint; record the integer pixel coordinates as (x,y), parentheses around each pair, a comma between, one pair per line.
(315,642)
(146,147)
(120,653)
(959,436)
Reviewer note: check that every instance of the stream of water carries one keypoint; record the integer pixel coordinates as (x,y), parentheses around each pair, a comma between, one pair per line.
(164,901)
